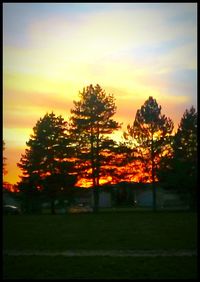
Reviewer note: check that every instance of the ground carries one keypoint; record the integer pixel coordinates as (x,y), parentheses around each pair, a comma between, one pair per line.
(150,245)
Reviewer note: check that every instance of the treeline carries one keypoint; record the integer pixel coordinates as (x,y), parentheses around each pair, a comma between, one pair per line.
(60,153)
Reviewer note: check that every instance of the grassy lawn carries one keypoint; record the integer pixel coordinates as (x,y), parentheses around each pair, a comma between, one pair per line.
(99,267)
(103,231)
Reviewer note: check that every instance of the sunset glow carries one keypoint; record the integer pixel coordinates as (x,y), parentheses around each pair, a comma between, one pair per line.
(132,50)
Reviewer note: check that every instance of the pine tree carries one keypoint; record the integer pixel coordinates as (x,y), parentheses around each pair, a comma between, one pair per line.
(91,124)
(180,173)
(46,165)
(150,135)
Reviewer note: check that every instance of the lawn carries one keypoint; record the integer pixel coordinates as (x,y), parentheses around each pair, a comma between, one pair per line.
(99,268)
(103,231)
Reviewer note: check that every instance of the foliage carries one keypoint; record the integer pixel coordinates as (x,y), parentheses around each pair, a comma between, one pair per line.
(180,172)
(150,138)
(186,137)
(46,161)
(91,124)
(81,152)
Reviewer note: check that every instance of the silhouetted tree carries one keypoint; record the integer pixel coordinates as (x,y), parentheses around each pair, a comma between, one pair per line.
(30,195)
(180,171)
(118,160)
(46,161)
(91,124)
(57,184)
(150,135)
(186,137)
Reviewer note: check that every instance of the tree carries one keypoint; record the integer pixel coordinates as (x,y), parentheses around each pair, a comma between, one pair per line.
(150,136)
(186,137)
(46,161)
(180,173)
(91,124)
(29,193)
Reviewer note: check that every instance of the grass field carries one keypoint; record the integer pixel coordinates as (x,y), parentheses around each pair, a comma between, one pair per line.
(103,231)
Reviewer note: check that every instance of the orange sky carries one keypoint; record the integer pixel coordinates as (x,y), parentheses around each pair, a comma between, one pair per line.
(52,50)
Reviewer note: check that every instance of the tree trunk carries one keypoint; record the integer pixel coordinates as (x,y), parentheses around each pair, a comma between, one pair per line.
(53,211)
(154,196)
(94,175)
(97,174)
(96,199)
(153,176)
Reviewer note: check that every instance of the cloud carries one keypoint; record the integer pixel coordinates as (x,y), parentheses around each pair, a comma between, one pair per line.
(16,137)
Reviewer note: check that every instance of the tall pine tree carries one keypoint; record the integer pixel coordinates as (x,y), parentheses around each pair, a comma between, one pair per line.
(150,134)
(91,125)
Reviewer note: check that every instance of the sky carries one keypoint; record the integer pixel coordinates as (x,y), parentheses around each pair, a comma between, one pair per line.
(132,50)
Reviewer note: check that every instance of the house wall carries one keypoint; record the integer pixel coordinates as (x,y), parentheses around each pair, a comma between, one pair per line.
(104,200)
(164,199)
(9,200)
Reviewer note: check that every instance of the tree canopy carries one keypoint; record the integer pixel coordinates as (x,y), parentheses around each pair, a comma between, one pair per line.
(61,154)
(150,134)
(180,171)
(45,165)
(91,124)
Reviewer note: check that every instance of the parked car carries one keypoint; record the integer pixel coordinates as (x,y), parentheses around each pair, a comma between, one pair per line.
(80,208)
(9,209)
